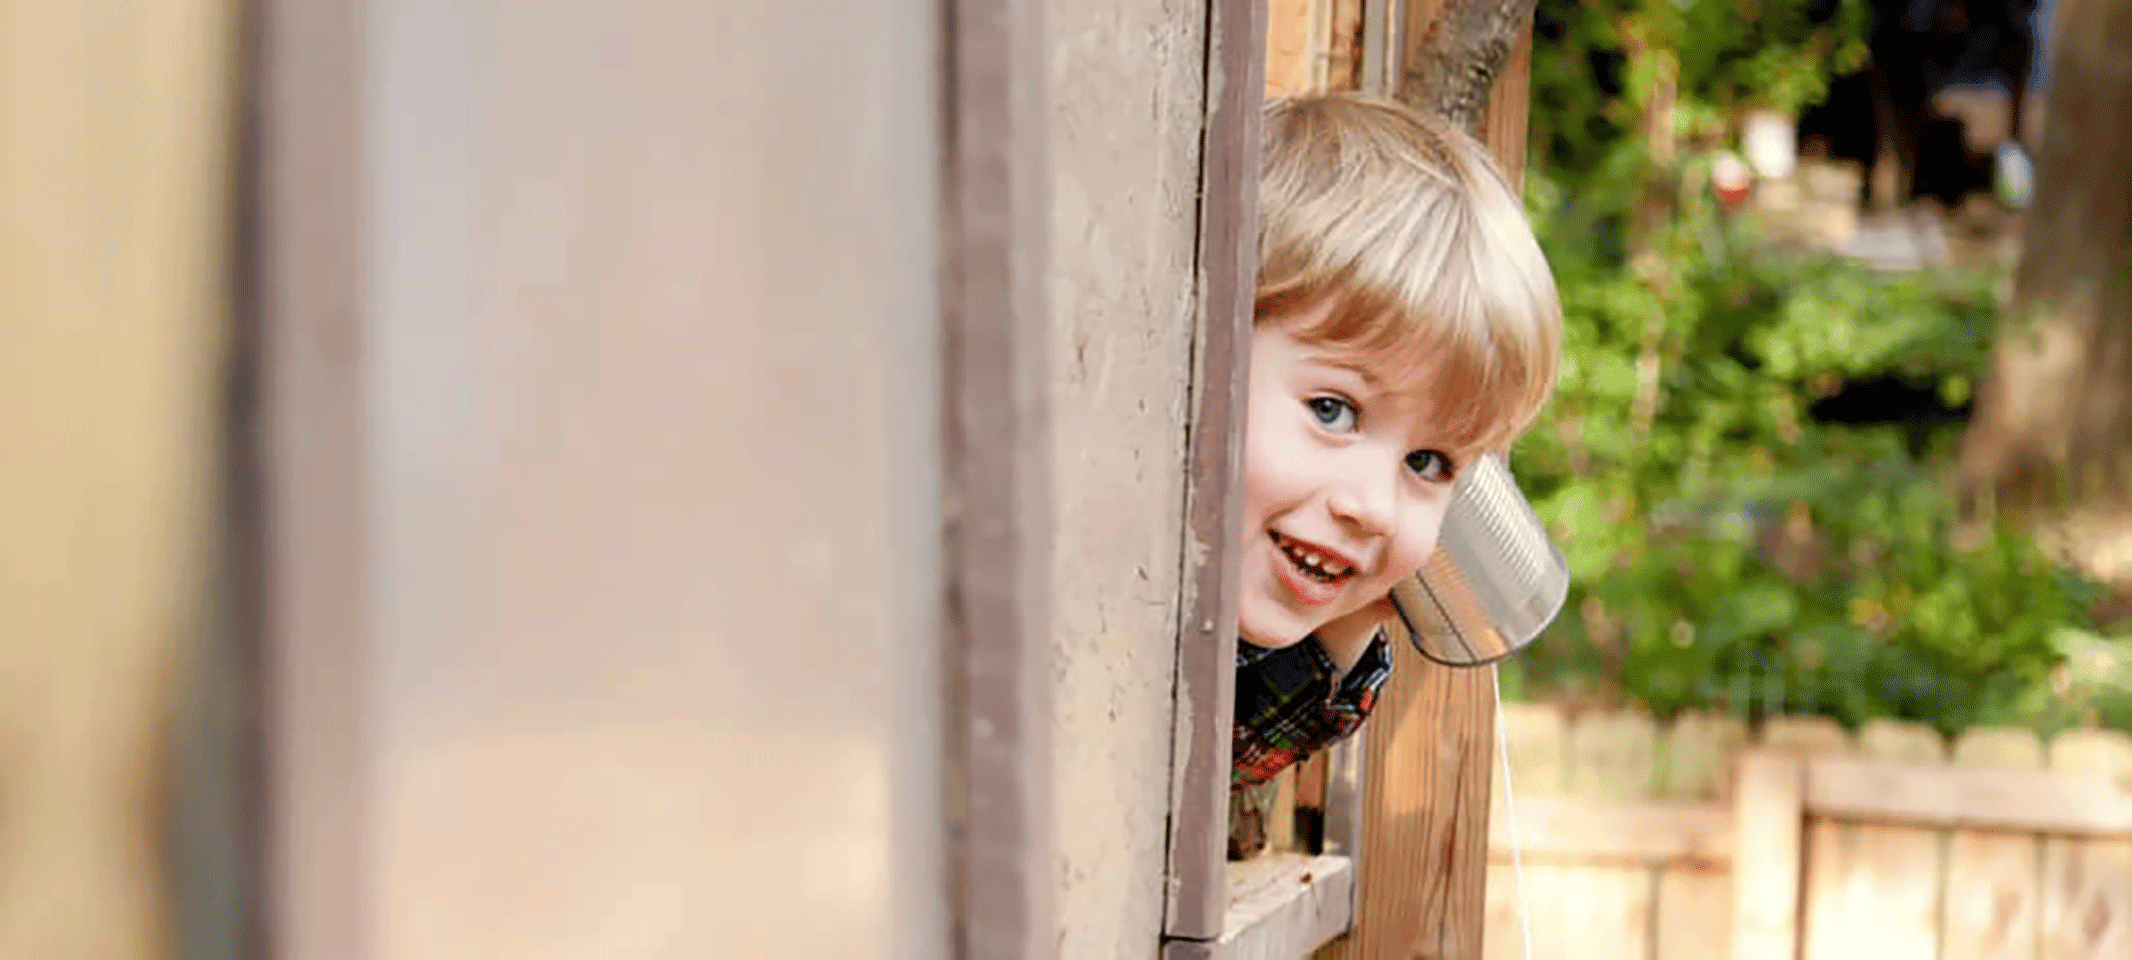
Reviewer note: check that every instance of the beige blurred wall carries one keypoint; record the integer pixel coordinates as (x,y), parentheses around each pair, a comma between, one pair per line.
(638,390)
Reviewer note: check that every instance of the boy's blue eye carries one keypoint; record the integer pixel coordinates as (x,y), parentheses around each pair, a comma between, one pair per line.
(1431,465)
(1333,413)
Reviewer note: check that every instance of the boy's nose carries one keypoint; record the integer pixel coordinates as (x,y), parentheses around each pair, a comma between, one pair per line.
(1367,503)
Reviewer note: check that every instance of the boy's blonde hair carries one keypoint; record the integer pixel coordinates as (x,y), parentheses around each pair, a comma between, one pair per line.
(1406,228)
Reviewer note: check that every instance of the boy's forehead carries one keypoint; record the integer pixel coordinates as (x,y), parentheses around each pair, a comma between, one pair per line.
(1380,372)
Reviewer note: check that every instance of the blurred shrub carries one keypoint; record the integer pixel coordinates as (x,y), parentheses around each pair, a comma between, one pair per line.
(1730,551)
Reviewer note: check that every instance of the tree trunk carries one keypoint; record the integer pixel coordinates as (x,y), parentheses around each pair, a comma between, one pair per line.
(1455,49)
(2053,426)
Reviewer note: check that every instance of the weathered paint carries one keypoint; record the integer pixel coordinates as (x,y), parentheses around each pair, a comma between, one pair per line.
(1127,101)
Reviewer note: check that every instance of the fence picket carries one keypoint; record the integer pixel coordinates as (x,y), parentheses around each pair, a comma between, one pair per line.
(1694,906)
(2087,884)
(1538,737)
(1873,890)
(1994,883)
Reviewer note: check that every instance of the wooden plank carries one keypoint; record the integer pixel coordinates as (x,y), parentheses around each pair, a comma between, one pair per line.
(1694,912)
(564,572)
(1994,883)
(1694,834)
(1698,756)
(1285,905)
(1508,922)
(2087,883)
(1206,641)
(1379,24)
(1953,797)
(1694,919)
(1613,760)
(1873,890)
(1537,738)
(1290,46)
(1606,913)
(1803,736)
(1505,128)
(1612,756)
(1768,816)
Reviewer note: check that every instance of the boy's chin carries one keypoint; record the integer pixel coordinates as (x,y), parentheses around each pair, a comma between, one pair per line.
(1271,633)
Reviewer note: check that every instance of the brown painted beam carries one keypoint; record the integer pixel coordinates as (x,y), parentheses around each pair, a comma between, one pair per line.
(1206,659)
(996,432)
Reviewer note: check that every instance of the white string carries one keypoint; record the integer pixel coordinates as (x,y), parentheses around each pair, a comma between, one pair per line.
(1510,812)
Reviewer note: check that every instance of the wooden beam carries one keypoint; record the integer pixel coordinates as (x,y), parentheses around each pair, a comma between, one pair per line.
(1206,642)
(1966,798)
(996,431)
(1690,834)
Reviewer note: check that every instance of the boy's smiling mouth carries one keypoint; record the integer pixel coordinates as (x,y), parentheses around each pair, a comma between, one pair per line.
(1313,573)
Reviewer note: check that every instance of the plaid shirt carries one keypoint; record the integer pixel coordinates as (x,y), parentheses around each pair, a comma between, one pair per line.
(1288,709)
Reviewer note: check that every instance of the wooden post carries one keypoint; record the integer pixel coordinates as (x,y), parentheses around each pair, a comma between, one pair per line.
(1424,866)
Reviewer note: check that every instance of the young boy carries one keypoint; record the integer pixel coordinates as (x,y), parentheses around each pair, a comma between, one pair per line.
(1406,322)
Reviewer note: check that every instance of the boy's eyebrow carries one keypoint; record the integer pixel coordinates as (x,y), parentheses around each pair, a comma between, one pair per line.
(1369,377)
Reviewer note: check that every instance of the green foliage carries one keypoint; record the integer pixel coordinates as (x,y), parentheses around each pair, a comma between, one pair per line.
(1729,551)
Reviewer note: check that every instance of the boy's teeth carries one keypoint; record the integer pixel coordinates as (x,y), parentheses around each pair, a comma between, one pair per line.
(1311,558)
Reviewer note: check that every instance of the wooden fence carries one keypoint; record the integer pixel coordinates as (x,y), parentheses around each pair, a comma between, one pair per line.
(1698,840)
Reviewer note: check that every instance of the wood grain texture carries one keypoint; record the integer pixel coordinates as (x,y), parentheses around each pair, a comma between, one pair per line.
(1284,905)
(1994,883)
(1206,657)
(1343,45)
(1292,44)
(1873,890)
(1424,847)
(2087,883)
(1694,919)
